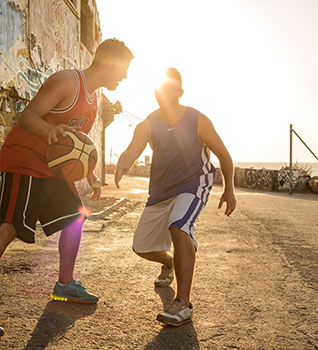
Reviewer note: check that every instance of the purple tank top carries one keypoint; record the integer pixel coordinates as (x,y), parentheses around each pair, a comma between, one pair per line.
(179,163)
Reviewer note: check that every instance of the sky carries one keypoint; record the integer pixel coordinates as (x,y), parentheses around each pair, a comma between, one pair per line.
(251,66)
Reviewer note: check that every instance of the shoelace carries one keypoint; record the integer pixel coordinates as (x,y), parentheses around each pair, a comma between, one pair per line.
(78,284)
(175,305)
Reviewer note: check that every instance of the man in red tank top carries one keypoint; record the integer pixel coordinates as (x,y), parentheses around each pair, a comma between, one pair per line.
(29,191)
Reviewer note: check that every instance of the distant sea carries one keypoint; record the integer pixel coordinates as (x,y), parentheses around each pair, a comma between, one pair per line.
(274,165)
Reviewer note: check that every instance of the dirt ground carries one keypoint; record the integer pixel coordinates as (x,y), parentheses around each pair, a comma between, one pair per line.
(255,284)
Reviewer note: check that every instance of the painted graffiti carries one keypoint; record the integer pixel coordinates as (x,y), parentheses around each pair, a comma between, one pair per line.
(270,180)
(55,28)
(260,179)
(58,12)
(59,43)
(29,80)
(283,179)
(13,19)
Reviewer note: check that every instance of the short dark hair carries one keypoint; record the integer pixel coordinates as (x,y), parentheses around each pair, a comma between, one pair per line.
(112,48)
(174,74)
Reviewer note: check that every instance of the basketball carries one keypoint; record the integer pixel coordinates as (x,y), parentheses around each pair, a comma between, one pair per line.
(72,157)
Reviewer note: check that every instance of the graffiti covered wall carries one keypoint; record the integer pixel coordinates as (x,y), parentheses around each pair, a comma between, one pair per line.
(54,31)
(45,41)
(10,17)
(269,180)
(38,38)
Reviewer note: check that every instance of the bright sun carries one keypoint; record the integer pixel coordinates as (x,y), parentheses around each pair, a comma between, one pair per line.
(148,74)
(142,78)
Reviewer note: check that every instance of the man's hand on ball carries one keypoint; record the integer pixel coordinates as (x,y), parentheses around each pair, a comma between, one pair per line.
(57,130)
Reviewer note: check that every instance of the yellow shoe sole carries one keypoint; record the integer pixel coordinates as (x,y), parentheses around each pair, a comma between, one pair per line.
(70,300)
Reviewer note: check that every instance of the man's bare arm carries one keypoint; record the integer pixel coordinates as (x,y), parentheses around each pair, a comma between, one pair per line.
(54,91)
(210,137)
(142,136)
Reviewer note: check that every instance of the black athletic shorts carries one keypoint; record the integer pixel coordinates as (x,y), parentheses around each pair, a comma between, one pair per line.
(26,199)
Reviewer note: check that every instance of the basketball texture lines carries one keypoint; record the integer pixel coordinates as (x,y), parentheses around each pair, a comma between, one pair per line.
(72,157)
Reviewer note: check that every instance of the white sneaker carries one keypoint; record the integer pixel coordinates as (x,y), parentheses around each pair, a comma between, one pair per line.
(165,278)
(177,314)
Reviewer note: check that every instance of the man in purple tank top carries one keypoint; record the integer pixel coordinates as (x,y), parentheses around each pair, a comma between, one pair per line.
(180,182)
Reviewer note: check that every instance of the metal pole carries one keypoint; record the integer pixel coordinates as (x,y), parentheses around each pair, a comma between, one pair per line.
(103,165)
(290,158)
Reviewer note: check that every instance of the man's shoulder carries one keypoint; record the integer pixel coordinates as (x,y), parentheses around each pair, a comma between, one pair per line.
(67,71)
(63,81)
(193,111)
(63,76)
(196,113)
(152,117)
(154,114)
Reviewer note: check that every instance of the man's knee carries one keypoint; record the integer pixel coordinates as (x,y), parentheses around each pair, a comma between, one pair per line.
(148,256)
(181,239)
(177,234)
(142,255)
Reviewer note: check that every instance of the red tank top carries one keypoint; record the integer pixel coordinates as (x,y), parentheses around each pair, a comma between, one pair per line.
(25,153)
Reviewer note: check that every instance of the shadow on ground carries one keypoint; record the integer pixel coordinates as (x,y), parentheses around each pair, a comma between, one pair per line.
(166,296)
(55,320)
(173,338)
